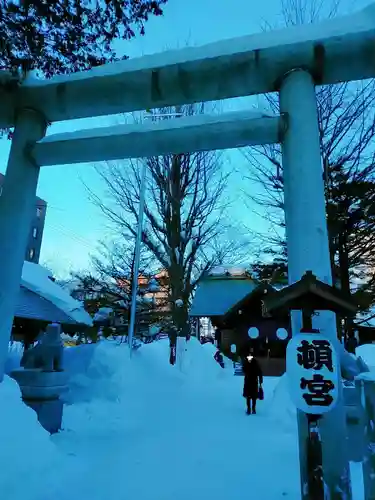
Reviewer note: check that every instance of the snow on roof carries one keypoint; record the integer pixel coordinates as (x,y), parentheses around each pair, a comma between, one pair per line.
(367,318)
(367,353)
(31,305)
(337,27)
(231,270)
(159,126)
(215,297)
(37,279)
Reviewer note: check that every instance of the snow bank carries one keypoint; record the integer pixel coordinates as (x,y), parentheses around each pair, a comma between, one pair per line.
(368,376)
(78,358)
(201,362)
(31,466)
(113,384)
(280,406)
(105,371)
(111,378)
(37,279)
(367,353)
(209,351)
(91,368)
(356,474)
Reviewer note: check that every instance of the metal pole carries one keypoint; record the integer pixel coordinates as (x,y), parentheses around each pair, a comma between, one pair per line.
(308,249)
(17,206)
(138,243)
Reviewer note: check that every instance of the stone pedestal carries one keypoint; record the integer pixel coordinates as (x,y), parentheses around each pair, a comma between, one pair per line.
(41,391)
(50,413)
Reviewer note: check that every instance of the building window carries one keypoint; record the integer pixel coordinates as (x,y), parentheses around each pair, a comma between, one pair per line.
(31,253)
(35,232)
(38,212)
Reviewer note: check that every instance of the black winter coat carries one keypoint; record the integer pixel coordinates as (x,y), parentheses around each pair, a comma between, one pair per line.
(253,376)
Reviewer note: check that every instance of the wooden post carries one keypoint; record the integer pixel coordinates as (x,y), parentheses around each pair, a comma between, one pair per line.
(369,456)
(314,460)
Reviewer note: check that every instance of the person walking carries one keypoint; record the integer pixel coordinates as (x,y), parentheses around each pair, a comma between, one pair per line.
(218,357)
(253,382)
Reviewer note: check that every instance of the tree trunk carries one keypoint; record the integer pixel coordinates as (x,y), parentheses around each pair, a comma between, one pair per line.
(344,264)
(172,346)
(176,270)
(345,277)
(129,298)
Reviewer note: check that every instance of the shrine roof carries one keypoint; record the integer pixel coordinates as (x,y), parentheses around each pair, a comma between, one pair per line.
(37,279)
(32,306)
(217,295)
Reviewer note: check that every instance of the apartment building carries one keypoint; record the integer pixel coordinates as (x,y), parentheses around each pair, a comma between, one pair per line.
(34,243)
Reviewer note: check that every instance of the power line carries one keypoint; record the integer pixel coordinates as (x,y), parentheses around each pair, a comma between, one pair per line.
(71,235)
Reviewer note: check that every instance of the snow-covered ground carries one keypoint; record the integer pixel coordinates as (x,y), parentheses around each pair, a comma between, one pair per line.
(141,430)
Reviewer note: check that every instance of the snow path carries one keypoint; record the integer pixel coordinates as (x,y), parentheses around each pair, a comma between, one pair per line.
(190,442)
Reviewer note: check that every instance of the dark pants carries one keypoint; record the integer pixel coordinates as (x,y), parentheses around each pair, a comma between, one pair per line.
(251,404)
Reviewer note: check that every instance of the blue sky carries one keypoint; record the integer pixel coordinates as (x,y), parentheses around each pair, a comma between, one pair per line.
(73,224)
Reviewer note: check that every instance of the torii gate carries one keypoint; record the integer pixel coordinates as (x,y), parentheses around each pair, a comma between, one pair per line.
(291,61)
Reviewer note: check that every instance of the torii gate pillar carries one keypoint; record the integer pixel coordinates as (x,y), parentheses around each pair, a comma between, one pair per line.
(308,249)
(17,205)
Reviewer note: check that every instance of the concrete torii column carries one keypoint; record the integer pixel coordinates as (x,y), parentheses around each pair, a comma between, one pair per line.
(308,249)
(17,205)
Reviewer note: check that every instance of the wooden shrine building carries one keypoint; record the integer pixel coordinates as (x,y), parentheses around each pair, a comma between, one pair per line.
(234,304)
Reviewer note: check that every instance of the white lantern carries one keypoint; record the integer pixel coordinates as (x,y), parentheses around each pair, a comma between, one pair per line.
(233,348)
(313,372)
(282,334)
(253,332)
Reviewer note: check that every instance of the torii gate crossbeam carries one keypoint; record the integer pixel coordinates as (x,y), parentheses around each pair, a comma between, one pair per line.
(192,133)
(334,51)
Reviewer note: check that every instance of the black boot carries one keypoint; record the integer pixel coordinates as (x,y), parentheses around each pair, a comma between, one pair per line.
(248,411)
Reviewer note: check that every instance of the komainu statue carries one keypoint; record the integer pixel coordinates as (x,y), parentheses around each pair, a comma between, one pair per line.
(47,355)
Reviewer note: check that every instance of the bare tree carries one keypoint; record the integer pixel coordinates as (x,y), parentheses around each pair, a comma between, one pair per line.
(110,284)
(346,116)
(184,214)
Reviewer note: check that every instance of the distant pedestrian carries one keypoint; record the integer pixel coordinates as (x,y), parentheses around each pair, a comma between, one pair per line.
(218,357)
(253,382)
(351,343)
